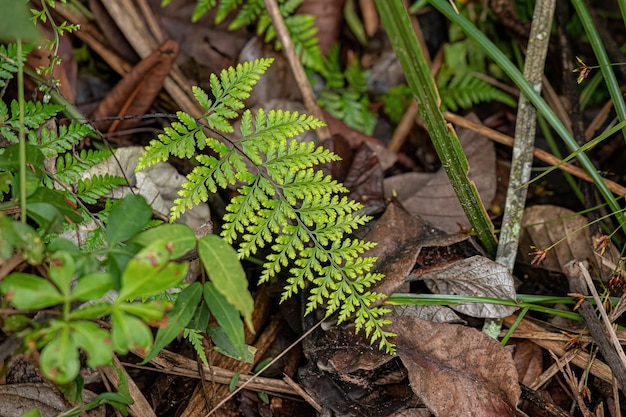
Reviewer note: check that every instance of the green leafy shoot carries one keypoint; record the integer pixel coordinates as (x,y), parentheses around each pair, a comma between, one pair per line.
(283,204)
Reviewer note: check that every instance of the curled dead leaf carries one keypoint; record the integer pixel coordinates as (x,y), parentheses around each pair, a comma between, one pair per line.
(457,370)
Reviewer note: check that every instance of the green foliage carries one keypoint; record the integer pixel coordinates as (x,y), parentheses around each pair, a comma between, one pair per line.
(74,278)
(396,101)
(8,61)
(283,205)
(465,90)
(301,27)
(458,86)
(344,93)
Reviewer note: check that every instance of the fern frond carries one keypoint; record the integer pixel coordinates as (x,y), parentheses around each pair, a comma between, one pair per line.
(91,189)
(284,203)
(52,143)
(224,8)
(230,89)
(9,60)
(250,11)
(180,140)
(70,167)
(195,338)
(202,7)
(466,90)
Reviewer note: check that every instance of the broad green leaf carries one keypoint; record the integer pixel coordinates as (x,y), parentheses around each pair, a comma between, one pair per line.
(221,263)
(31,413)
(200,320)
(93,340)
(16,22)
(54,199)
(128,332)
(91,311)
(151,272)
(29,292)
(148,312)
(226,315)
(21,237)
(92,286)
(177,319)
(62,269)
(182,239)
(59,359)
(225,346)
(127,218)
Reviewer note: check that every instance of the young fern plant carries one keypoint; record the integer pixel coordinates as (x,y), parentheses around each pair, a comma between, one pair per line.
(283,202)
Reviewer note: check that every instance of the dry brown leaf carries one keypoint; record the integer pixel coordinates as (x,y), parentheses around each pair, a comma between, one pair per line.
(399,237)
(135,93)
(457,370)
(16,399)
(544,225)
(476,276)
(528,358)
(436,200)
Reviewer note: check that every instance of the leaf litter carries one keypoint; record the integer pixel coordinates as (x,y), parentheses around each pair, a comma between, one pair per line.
(443,366)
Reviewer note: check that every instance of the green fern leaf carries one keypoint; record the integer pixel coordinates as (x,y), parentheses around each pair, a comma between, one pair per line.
(70,167)
(90,190)
(195,338)
(52,143)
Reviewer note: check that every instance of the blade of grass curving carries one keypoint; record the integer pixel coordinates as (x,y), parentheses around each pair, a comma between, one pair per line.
(622,9)
(603,59)
(22,131)
(398,26)
(542,107)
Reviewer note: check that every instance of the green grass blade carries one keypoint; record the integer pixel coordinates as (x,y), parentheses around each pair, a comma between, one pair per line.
(398,26)
(542,107)
(603,59)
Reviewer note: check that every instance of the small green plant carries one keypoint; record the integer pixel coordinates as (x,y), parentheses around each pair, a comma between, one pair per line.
(283,203)
(457,83)
(344,93)
(300,26)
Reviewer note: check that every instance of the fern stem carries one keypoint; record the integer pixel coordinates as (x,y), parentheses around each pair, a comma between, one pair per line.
(22,132)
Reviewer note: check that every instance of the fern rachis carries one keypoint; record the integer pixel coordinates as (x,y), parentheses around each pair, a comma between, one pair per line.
(283,202)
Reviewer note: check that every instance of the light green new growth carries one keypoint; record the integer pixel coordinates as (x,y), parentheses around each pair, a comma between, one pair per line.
(283,202)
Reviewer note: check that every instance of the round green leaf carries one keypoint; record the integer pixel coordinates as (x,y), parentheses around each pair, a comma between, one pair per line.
(129,333)
(150,272)
(181,238)
(95,341)
(62,269)
(92,286)
(59,359)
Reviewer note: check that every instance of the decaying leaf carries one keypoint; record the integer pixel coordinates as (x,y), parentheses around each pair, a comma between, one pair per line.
(478,276)
(544,225)
(433,197)
(436,313)
(528,358)
(135,93)
(457,370)
(16,399)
